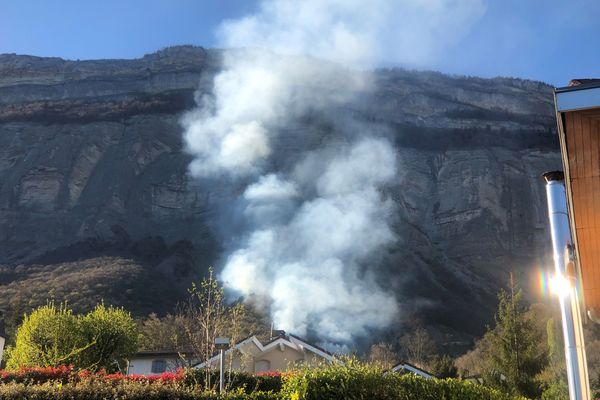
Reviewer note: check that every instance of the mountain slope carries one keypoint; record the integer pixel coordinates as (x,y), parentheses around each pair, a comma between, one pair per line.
(93,175)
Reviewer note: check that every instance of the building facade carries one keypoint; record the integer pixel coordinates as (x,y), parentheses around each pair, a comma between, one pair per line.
(281,353)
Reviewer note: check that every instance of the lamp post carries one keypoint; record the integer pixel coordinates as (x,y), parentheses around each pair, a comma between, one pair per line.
(222,344)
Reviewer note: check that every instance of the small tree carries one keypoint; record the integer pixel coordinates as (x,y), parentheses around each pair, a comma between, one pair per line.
(192,330)
(477,362)
(166,333)
(240,323)
(554,376)
(383,355)
(206,316)
(52,335)
(517,357)
(47,337)
(112,335)
(443,367)
(419,348)
(205,319)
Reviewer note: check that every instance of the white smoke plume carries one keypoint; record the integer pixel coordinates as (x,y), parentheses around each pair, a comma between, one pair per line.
(257,92)
(356,32)
(313,227)
(307,262)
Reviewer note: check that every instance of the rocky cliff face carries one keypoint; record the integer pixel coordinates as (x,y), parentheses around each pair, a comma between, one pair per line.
(92,166)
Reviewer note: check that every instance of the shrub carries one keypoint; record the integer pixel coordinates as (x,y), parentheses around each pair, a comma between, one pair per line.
(350,381)
(261,382)
(95,390)
(557,391)
(113,334)
(36,375)
(64,374)
(52,336)
(47,337)
(358,381)
(240,394)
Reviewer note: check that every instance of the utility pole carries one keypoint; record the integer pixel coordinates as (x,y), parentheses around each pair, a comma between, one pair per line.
(222,344)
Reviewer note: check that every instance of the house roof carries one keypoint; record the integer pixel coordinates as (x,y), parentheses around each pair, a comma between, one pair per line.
(581,94)
(411,368)
(291,341)
(158,353)
(579,84)
(313,345)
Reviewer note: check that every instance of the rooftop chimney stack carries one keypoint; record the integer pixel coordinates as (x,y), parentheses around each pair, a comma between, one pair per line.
(577,373)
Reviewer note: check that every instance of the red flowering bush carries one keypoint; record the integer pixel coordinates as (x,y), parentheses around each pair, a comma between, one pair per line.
(165,377)
(270,373)
(65,373)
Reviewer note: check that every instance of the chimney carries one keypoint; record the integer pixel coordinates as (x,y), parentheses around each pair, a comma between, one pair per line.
(577,374)
(277,333)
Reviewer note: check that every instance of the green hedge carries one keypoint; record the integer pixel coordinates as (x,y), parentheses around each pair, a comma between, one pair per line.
(124,391)
(353,381)
(97,391)
(358,381)
(271,382)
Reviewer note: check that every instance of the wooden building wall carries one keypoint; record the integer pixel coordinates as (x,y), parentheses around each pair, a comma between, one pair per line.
(582,140)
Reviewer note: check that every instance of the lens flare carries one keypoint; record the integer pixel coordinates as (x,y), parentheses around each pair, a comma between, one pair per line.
(560,285)
(543,281)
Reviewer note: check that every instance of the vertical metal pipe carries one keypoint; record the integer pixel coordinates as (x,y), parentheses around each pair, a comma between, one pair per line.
(569,307)
(222,372)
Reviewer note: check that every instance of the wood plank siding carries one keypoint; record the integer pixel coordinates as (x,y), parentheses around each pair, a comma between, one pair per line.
(582,140)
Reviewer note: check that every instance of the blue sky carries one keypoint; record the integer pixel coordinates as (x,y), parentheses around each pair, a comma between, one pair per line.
(548,40)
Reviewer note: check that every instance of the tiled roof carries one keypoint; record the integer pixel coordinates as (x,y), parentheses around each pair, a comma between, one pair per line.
(586,81)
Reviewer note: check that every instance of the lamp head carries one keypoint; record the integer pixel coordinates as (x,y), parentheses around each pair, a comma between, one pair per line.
(222,343)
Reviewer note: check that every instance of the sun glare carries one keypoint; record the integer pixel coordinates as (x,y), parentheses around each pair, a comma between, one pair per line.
(560,285)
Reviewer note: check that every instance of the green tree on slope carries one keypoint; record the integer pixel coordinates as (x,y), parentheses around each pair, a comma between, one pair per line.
(517,357)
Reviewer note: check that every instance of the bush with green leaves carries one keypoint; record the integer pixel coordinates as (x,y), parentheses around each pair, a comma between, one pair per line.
(350,381)
(96,390)
(47,337)
(250,383)
(52,336)
(358,381)
(109,336)
(353,380)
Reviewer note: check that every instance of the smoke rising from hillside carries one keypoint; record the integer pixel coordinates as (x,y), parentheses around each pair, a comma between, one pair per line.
(313,226)
(307,262)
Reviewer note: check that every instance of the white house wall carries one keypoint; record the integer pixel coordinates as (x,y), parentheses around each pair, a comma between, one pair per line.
(278,360)
(143,366)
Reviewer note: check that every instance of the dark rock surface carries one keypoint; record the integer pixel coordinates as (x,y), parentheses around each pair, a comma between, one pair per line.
(92,167)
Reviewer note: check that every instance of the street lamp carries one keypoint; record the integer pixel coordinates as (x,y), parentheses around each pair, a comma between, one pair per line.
(222,344)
